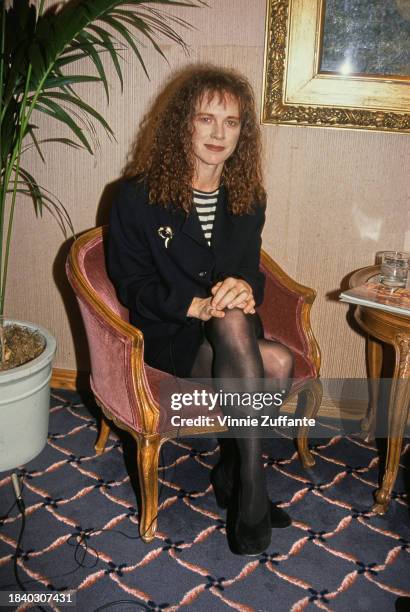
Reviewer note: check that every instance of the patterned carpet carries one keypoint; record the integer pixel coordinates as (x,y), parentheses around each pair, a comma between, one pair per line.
(337,555)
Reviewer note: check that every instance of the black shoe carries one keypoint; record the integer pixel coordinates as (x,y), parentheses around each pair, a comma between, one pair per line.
(251,540)
(223,487)
(402,604)
(279,519)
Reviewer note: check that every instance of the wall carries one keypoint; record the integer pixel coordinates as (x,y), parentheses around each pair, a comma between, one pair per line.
(336,197)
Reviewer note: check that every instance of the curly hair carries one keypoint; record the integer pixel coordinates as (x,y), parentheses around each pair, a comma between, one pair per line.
(165,157)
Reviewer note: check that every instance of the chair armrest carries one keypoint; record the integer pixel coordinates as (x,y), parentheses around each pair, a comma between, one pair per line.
(285,311)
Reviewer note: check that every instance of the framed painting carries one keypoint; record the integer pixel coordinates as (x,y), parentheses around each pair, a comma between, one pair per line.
(338,63)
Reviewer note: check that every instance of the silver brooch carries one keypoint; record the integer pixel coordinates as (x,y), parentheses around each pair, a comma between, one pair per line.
(166,234)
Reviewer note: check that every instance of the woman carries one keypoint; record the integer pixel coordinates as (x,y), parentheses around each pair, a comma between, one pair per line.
(185,238)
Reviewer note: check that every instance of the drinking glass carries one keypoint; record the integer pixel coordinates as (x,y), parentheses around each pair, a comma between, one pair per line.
(394,268)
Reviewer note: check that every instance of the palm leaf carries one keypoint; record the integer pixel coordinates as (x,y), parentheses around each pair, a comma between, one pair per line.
(56,81)
(74,19)
(42,197)
(46,203)
(112,50)
(65,141)
(80,104)
(35,142)
(138,23)
(56,111)
(124,32)
(90,44)
(9,129)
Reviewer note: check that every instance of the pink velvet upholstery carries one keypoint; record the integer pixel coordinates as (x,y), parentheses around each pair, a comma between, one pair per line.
(110,367)
(112,376)
(93,267)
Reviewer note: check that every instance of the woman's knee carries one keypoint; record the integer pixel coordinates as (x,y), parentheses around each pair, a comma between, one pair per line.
(233,321)
(234,327)
(277,358)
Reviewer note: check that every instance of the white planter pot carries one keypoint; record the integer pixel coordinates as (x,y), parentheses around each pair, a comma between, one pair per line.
(25,405)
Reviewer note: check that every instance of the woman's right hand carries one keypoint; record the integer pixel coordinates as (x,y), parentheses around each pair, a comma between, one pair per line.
(201,308)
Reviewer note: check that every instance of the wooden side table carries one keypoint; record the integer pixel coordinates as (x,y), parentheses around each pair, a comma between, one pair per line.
(394,329)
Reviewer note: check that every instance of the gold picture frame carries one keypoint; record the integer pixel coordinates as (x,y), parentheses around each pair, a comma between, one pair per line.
(296,93)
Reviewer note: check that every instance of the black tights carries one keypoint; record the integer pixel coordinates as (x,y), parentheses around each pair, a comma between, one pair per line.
(233,350)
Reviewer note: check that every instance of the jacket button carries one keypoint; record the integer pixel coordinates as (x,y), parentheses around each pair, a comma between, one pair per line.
(202,274)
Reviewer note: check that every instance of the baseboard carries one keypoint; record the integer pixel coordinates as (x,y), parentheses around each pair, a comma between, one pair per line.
(69,379)
(332,409)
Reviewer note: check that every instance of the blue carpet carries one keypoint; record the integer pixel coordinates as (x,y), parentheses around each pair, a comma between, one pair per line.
(337,555)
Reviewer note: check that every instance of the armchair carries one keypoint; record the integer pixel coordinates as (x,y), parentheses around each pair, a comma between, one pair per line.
(128,394)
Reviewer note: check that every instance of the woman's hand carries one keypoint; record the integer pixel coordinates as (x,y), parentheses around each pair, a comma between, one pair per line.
(233,293)
(201,309)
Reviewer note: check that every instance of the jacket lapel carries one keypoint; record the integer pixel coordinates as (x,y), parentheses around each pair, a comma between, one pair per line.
(221,230)
(193,229)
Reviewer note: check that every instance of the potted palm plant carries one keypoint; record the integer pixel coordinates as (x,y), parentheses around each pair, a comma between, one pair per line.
(41,62)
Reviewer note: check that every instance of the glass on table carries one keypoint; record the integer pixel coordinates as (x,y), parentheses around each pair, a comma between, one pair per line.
(394,268)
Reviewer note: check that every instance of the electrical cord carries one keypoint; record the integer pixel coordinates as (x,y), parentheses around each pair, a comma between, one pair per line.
(22,507)
(81,545)
(6,516)
(82,537)
(122,601)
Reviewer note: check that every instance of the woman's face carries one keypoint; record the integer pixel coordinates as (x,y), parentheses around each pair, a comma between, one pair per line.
(216,130)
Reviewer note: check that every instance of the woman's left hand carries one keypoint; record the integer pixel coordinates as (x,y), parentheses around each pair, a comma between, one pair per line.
(233,293)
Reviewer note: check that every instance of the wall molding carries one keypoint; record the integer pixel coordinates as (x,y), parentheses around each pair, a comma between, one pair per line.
(69,379)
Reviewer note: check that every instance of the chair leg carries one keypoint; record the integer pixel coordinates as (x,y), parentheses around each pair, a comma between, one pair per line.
(147,459)
(103,436)
(311,398)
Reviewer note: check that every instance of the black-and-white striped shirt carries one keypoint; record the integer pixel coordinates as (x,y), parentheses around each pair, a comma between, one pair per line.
(205,204)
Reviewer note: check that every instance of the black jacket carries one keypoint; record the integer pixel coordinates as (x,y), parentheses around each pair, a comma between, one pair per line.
(157,281)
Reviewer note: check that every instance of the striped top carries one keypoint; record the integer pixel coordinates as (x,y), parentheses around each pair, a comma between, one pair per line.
(205,204)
